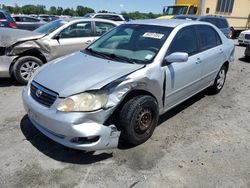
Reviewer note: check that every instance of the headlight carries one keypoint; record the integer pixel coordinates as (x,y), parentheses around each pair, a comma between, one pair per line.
(84,102)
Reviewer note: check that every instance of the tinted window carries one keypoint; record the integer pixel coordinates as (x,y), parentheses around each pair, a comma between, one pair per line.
(17,19)
(27,19)
(192,10)
(185,41)
(222,23)
(209,38)
(2,17)
(209,20)
(81,29)
(103,27)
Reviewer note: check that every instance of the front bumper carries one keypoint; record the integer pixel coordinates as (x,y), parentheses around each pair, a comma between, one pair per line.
(81,131)
(5,62)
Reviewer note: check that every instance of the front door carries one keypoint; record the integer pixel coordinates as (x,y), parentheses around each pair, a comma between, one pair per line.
(73,38)
(183,79)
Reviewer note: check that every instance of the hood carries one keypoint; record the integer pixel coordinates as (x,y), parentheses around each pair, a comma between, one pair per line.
(80,72)
(10,36)
(165,17)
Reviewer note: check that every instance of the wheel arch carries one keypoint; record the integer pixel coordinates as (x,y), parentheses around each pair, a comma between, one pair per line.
(33,52)
(131,94)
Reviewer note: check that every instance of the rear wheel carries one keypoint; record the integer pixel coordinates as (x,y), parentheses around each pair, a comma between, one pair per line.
(138,119)
(219,81)
(24,68)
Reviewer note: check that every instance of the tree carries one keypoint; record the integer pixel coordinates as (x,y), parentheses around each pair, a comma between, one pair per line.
(59,11)
(53,10)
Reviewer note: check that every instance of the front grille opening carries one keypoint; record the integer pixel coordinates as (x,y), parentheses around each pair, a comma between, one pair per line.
(2,50)
(42,95)
(85,140)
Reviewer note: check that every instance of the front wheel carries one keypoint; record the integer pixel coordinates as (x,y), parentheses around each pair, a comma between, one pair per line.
(219,81)
(24,68)
(138,119)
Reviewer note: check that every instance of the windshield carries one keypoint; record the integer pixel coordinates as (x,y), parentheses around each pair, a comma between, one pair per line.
(50,27)
(176,10)
(131,43)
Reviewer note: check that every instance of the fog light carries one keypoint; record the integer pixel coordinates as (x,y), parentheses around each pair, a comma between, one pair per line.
(85,140)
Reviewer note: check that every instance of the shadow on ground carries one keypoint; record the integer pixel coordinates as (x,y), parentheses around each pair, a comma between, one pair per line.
(5,82)
(171,113)
(244,59)
(55,150)
(64,154)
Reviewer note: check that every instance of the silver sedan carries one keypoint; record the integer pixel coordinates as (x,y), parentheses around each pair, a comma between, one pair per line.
(22,52)
(118,86)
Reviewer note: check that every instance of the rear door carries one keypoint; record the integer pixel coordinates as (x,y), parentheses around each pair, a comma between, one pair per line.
(183,79)
(212,55)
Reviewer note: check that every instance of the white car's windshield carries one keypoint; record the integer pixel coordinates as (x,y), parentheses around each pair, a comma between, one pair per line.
(50,27)
(131,43)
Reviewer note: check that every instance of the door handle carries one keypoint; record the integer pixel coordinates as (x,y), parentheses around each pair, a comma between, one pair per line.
(88,42)
(198,61)
(220,51)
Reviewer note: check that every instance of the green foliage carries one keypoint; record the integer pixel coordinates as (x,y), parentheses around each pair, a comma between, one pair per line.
(79,11)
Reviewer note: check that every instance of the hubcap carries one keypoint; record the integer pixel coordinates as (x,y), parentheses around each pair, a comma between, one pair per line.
(221,79)
(28,68)
(143,121)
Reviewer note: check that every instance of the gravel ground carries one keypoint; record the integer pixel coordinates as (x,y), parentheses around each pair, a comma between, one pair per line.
(204,142)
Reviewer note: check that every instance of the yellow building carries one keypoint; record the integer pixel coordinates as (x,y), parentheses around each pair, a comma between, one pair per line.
(237,12)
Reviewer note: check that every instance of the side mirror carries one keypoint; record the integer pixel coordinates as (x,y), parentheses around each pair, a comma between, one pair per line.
(176,57)
(57,37)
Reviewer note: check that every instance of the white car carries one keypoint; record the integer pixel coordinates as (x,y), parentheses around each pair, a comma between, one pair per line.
(244,37)
(109,16)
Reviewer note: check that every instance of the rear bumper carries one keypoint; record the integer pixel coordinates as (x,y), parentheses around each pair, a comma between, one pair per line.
(74,130)
(5,63)
(247,51)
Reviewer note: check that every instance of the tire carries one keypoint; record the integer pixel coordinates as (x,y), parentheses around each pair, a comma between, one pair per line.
(24,67)
(219,81)
(138,119)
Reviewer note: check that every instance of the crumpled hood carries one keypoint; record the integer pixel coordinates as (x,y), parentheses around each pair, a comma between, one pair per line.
(79,72)
(10,36)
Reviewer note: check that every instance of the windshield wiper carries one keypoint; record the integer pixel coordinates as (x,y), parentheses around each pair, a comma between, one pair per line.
(100,54)
(121,58)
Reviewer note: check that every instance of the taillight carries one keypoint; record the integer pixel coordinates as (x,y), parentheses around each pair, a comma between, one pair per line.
(12,24)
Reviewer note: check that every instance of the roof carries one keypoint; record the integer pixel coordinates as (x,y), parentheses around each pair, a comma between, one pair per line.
(160,22)
(195,17)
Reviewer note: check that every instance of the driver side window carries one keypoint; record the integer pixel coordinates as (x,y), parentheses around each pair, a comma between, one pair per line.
(81,29)
(185,41)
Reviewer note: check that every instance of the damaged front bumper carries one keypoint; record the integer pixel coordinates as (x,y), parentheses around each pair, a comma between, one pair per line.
(81,131)
(5,63)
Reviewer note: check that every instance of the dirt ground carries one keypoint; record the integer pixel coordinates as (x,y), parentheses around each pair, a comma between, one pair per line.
(204,142)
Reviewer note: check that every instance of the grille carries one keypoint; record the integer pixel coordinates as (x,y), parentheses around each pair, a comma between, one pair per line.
(42,95)
(247,36)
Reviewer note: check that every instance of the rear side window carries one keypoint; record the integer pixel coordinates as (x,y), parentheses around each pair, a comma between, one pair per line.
(209,38)
(185,41)
(103,27)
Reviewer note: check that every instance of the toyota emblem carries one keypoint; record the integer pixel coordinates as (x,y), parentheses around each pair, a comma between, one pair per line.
(39,93)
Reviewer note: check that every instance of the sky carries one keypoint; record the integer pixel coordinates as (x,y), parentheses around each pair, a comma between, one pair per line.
(154,6)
